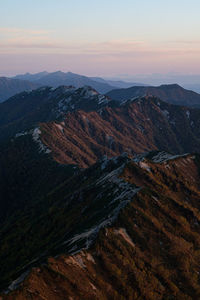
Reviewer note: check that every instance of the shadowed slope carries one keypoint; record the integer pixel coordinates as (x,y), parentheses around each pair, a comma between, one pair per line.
(10,87)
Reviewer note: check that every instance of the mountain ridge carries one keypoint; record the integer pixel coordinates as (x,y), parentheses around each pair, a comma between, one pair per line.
(111,83)
(140,248)
(24,111)
(136,126)
(172,93)
(59,78)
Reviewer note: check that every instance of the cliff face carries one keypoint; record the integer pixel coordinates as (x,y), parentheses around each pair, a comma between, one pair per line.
(149,252)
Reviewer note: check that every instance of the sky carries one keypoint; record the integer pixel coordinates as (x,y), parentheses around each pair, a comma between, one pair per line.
(100,38)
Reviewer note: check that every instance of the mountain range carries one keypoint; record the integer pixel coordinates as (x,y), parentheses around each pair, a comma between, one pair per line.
(119,90)
(44,104)
(58,78)
(99,194)
(77,127)
(26,82)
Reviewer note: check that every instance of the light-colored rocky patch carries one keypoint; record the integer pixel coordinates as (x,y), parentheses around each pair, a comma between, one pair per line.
(124,234)
(75,260)
(145,166)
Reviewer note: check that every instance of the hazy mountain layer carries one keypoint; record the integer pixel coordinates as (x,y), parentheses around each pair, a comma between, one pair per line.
(10,87)
(69,78)
(59,78)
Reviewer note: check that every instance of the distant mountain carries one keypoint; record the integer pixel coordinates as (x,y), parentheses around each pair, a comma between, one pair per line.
(24,111)
(59,78)
(194,87)
(117,83)
(10,87)
(172,93)
(31,77)
(122,229)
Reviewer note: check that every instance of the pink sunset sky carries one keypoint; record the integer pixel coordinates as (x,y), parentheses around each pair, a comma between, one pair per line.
(100,38)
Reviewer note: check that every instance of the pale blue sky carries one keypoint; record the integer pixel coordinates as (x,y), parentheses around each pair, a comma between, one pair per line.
(100,37)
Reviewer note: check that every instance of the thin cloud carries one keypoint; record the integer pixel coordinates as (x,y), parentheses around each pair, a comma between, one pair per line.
(41,41)
(186,42)
(17,31)
(19,38)
(31,45)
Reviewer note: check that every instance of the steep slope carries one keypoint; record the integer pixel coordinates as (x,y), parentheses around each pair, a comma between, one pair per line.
(23,111)
(48,224)
(10,87)
(149,251)
(172,93)
(134,127)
